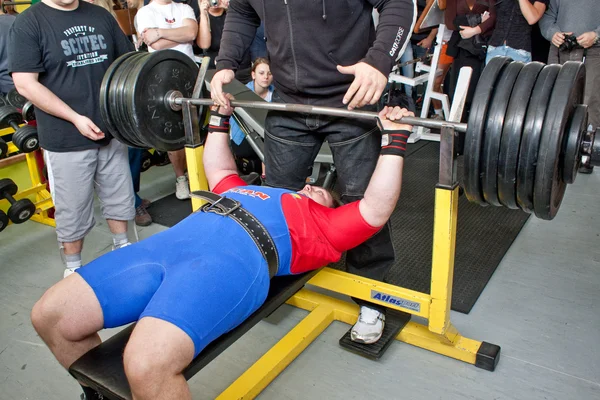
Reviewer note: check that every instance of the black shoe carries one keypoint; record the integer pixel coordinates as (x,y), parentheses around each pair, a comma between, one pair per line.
(585,170)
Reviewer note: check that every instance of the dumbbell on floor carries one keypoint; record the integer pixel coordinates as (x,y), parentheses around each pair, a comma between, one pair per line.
(25,137)
(3,149)
(20,210)
(3,220)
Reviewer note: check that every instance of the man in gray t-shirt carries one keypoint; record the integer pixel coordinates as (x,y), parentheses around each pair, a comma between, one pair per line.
(580,18)
(6,82)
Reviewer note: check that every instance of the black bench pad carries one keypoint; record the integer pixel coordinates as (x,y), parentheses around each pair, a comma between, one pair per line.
(102,367)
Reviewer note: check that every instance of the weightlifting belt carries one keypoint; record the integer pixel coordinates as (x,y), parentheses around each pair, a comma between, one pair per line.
(232,208)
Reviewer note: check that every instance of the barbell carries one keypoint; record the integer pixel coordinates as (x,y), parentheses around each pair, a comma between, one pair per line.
(525,139)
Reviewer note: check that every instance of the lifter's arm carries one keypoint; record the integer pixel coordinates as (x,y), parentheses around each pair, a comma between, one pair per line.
(218,159)
(383,191)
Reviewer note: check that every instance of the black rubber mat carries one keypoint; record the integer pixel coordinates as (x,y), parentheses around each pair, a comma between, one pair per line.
(169,210)
(484,234)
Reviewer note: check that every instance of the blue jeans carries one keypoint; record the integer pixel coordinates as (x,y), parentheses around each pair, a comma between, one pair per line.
(292,141)
(258,48)
(135,165)
(517,55)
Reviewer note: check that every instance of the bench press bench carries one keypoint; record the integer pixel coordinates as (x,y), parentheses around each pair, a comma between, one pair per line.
(102,367)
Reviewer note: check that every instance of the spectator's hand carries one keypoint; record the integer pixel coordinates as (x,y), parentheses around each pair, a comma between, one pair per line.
(87,128)
(466,32)
(151,35)
(587,40)
(559,38)
(485,16)
(426,43)
(387,117)
(221,78)
(224,110)
(204,5)
(367,86)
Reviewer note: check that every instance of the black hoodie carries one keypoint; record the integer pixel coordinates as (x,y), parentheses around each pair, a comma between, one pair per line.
(307,39)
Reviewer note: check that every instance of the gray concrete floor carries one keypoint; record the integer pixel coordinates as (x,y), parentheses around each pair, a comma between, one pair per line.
(541,306)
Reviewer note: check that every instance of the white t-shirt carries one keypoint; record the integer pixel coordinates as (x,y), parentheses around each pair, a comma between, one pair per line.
(165,16)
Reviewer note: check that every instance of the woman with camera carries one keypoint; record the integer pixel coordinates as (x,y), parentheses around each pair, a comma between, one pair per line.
(512,34)
(472,22)
(211,23)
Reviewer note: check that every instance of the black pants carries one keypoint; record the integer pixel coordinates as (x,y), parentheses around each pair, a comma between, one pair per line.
(292,141)
(466,59)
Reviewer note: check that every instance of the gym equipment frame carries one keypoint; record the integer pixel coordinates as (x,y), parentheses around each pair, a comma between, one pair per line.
(43,199)
(439,335)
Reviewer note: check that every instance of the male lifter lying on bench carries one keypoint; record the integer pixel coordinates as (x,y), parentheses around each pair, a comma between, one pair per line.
(190,284)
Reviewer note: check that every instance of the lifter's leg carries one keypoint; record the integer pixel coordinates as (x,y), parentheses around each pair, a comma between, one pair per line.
(67,318)
(155,358)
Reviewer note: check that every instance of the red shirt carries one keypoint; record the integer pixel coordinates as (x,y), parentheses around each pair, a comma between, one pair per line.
(319,234)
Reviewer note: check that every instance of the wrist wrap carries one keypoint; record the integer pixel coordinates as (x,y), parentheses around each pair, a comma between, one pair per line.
(394,142)
(218,122)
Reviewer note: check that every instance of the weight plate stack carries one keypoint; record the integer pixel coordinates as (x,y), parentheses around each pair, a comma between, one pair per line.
(476,125)
(567,93)
(15,99)
(162,72)
(532,129)
(493,131)
(512,132)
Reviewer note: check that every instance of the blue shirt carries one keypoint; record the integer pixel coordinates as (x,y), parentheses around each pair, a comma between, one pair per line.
(235,131)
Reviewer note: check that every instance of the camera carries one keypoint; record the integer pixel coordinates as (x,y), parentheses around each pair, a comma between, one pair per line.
(569,44)
(213,3)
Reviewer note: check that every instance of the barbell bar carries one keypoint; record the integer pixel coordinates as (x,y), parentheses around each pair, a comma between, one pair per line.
(175,99)
(524,141)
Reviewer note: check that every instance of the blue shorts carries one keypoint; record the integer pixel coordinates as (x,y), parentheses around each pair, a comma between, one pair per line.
(205,275)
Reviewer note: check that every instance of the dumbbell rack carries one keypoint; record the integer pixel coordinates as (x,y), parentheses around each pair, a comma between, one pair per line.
(43,199)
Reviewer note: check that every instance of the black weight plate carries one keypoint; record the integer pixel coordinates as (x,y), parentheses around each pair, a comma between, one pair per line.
(549,187)
(28,112)
(532,130)
(3,220)
(9,114)
(127,94)
(26,139)
(163,71)
(2,101)
(511,134)
(21,211)
(476,125)
(571,156)
(7,186)
(493,131)
(3,149)
(105,110)
(118,86)
(15,99)
(146,161)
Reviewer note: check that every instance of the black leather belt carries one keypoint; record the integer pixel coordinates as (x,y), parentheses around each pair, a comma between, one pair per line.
(231,208)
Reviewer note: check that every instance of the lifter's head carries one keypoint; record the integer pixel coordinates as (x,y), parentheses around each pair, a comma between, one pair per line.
(318,194)
(62,4)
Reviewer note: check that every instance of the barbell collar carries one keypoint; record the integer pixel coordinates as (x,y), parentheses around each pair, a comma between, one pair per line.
(175,101)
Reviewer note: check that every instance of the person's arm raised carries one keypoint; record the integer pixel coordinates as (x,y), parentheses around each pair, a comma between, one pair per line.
(383,191)
(218,160)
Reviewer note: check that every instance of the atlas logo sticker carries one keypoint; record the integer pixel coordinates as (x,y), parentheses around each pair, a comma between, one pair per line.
(251,193)
(397,301)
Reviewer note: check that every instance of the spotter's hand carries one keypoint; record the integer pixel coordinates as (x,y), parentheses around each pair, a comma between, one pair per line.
(221,78)
(367,87)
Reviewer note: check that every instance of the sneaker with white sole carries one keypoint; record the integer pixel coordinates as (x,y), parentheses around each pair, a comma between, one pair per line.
(69,271)
(369,327)
(182,188)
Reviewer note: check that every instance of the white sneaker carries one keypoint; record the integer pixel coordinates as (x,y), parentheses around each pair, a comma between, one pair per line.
(369,327)
(182,188)
(69,271)
(121,246)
